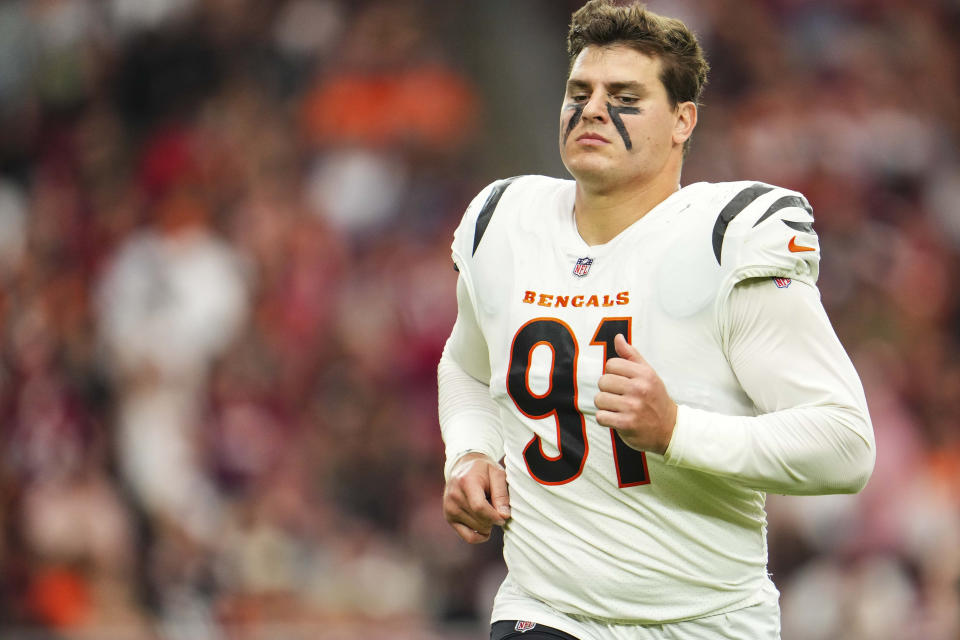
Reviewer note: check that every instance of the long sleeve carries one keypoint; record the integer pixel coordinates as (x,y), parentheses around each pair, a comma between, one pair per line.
(469,418)
(812,434)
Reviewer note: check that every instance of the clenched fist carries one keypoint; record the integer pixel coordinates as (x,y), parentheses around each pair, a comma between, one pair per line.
(634,401)
(476,497)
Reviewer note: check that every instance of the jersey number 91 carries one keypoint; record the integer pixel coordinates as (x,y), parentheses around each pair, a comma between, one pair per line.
(559,402)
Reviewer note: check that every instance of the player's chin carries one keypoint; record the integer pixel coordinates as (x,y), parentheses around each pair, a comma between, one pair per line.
(587,164)
(599,176)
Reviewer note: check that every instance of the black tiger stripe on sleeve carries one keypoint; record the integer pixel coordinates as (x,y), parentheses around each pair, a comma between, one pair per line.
(486,212)
(732,210)
(806,227)
(783,203)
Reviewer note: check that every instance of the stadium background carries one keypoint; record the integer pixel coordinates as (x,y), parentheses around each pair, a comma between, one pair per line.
(225,282)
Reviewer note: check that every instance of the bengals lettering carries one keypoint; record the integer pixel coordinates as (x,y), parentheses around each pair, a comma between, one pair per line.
(557,300)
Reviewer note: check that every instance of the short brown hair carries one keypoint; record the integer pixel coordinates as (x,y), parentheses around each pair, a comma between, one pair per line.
(683,65)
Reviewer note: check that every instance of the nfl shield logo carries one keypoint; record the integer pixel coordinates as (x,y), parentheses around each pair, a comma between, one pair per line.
(782,283)
(582,267)
(524,625)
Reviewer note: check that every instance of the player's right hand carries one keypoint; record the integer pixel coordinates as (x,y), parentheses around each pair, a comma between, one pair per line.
(476,497)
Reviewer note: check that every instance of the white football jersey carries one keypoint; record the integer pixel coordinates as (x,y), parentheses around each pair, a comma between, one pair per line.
(597,528)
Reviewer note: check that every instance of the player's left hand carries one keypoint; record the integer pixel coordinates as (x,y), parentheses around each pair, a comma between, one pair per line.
(634,401)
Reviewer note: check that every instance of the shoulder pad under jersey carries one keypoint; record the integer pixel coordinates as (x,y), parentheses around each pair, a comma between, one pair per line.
(737,230)
(764,230)
(467,237)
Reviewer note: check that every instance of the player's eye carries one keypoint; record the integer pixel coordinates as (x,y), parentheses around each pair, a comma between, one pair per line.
(579,97)
(628,99)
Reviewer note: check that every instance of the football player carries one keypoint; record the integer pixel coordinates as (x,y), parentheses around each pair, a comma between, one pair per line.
(646,360)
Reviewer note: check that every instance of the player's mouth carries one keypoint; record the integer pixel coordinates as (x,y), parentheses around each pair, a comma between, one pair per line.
(592,139)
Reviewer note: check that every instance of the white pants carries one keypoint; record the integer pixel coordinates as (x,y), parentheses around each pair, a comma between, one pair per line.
(757,622)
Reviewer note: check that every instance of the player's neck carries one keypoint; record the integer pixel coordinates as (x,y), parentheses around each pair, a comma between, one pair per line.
(602,214)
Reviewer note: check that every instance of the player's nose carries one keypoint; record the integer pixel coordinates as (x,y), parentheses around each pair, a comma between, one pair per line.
(596,107)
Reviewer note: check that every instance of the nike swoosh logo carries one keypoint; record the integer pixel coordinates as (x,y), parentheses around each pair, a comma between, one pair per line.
(794,247)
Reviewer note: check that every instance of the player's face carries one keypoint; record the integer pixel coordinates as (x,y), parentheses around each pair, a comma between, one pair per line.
(617,122)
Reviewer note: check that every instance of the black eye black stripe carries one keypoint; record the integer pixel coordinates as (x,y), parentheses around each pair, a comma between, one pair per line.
(615,113)
(574,119)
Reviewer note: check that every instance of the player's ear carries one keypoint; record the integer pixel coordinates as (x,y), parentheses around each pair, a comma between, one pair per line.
(686,115)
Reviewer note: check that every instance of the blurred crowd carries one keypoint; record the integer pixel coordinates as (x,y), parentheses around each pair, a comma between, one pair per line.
(225,282)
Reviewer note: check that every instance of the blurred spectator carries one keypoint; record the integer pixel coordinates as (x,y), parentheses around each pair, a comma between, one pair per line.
(13,228)
(387,98)
(171,300)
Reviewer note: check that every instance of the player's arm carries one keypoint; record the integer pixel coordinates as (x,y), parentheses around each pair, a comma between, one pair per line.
(475,496)
(813,434)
